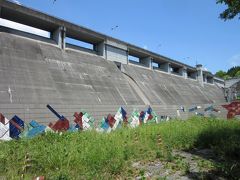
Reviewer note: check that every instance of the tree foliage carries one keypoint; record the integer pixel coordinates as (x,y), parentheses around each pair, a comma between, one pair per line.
(233,9)
(231,73)
(220,74)
(237,74)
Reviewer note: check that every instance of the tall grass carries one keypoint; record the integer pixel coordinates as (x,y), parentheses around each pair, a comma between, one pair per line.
(95,155)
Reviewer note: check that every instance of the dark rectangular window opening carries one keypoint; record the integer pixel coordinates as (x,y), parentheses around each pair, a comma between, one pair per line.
(23,29)
(191,75)
(77,43)
(155,65)
(175,70)
(210,80)
(133,59)
(137,60)
(159,66)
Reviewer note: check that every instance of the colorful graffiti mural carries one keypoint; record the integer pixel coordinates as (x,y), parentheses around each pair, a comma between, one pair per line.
(233,109)
(4,128)
(16,128)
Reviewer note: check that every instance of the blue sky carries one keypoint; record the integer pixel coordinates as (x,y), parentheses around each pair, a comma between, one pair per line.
(188,31)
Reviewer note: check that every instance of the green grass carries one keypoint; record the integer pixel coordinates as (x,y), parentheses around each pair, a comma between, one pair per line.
(92,155)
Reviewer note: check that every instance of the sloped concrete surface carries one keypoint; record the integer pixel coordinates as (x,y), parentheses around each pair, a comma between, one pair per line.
(34,73)
(161,88)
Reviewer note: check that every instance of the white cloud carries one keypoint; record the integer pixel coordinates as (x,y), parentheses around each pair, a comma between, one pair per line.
(145,47)
(21,27)
(235,60)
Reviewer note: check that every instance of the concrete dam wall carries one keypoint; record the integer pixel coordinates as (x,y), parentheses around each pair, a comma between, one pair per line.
(36,71)
(34,74)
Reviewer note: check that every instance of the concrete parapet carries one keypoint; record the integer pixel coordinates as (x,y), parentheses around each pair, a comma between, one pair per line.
(219,82)
(166,67)
(147,61)
(116,44)
(100,49)
(183,72)
(200,77)
(116,51)
(116,54)
(59,36)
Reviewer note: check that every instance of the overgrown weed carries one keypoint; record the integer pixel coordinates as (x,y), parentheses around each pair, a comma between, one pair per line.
(90,155)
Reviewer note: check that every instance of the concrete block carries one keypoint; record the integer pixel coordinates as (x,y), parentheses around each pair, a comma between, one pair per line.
(233,109)
(195,108)
(16,127)
(4,128)
(33,129)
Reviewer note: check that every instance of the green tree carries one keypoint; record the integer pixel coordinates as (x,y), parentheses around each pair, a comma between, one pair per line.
(237,74)
(232,71)
(220,74)
(226,77)
(233,9)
